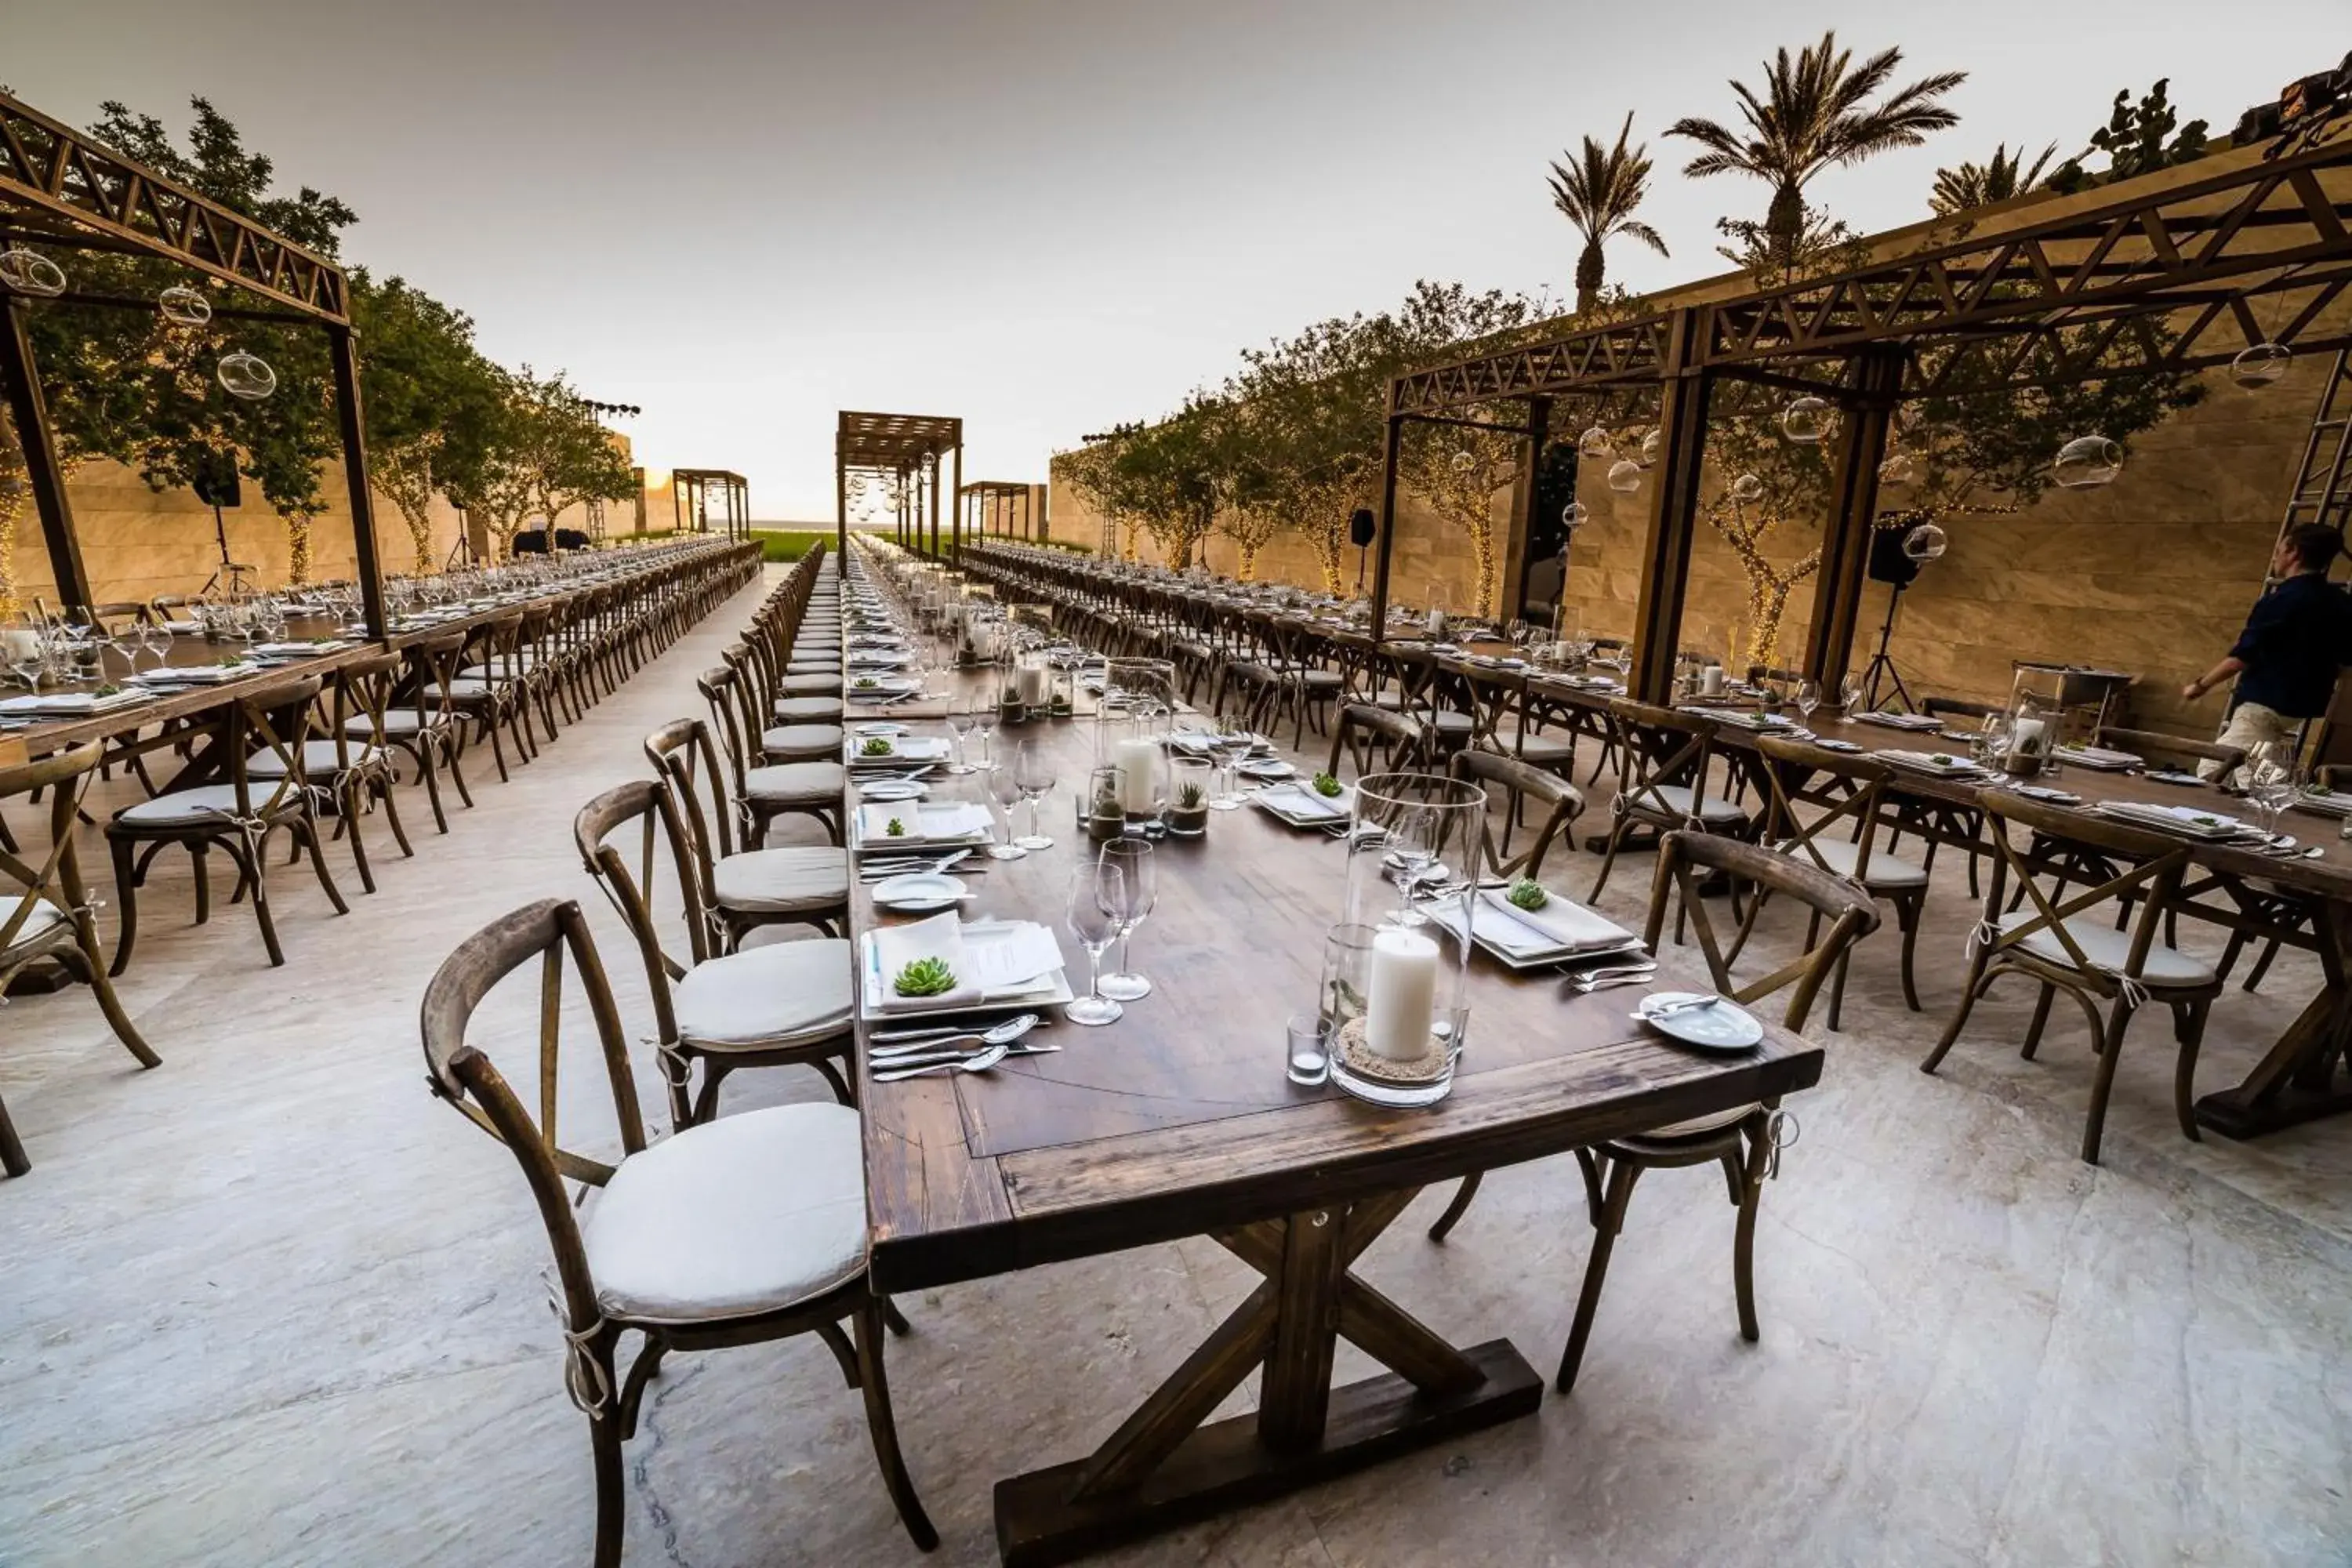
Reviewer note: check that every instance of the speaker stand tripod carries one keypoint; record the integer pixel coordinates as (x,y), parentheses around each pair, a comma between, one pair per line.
(1881,666)
(237,586)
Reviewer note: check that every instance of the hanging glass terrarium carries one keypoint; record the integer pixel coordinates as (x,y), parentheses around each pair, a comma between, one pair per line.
(25,271)
(1805,421)
(183,306)
(2087,462)
(246,375)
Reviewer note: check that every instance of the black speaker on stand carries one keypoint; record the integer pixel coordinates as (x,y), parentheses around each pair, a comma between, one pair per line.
(215,484)
(1888,564)
(1362,528)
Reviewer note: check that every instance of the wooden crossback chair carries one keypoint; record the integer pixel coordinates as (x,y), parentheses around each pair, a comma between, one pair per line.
(744,1231)
(2067,944)
(796,884)
(45,909)
(1744,1139)
(1364,731)
(1667,758)
(1521,782)
(1848,795)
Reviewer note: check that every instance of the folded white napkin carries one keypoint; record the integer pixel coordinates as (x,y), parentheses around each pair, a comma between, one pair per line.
(1559,923)
(1901,721)
(1959,767)
(940,937)
(926,822)
(2099,757)
(1300,800)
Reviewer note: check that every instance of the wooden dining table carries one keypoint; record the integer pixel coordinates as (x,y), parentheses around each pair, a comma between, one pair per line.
(1179,1121)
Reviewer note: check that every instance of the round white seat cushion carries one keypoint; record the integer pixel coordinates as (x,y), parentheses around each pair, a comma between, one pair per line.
(781,881)
(810,685)
(1886,870)
(802,742)
(808,709)
(319,759)
(205,803)
(40,921)
(396,722)
(1675,800)
(1700,1126)
(2109,949)
(796,784)
(745,1215)
(781,994)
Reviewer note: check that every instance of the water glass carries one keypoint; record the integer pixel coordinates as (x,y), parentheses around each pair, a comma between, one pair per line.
(1139,892)
(1033,774)
(1005,789)
(1308,1055)
(1096,897)
(959,723)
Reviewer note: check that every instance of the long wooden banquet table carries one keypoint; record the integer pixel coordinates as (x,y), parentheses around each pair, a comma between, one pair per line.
(1179,1121)
(52,735)
(2304,1077)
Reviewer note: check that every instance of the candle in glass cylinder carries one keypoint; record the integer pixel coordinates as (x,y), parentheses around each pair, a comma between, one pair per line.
(1034,681)
(1137,761)
(1403,995)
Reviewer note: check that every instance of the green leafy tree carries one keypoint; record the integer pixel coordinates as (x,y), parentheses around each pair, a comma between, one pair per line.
(428,393)
(2137,139)
(1599,193)
(2003,176)
(1815,114)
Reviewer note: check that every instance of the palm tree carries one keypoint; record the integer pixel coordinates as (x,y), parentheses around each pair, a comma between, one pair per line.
(1598,194)
(1958,190)
(1812,115)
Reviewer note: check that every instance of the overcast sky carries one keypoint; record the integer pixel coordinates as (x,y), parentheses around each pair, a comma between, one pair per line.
(1043,217)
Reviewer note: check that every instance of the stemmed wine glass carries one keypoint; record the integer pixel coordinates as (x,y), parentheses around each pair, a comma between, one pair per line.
(1412,850)
(1139,890)
(983,724)
(1097,894)
(2269,775)
(1850,696)
(1033,772)
(1005,789)
(1230,744)
(959,723)
(1808,697)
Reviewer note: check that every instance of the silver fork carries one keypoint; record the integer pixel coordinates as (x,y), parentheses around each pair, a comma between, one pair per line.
(980,1063)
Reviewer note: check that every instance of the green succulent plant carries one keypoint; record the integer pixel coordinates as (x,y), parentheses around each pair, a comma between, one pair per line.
(924,977)
(897,829)
(1527,894)
(1326,786)
(109,689)
(1190,797)
(876,747)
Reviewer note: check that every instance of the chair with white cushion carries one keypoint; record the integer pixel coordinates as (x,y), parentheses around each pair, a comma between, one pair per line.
(791,884)
(1666,785)
(766,791)
(45,910)
(350,762)
(786,1004)
(1742,1139)
(748,1229)
(2073,941)
(425,724)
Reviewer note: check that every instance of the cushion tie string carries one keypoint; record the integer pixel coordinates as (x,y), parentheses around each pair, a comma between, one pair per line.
(1983,937)
(584,1378)
(1783,1129)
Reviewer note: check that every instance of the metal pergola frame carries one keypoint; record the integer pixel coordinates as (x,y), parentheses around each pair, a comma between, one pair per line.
(905,447)
(976,500)
(60,187)
(2172,270)
(732,488)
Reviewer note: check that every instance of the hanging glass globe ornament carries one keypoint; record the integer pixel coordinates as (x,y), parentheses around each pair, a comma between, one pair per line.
(1747,488)
(1805,421)
(246,375)
(1464,461)
(1624,475)
(1924,544)
(2261,364)
(2086,462)
(1900,469)
(1651,444)
(1594,441)
(185,306)
(1571,515)
(29,272)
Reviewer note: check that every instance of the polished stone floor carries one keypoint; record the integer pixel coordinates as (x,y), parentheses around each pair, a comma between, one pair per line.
(272,1303)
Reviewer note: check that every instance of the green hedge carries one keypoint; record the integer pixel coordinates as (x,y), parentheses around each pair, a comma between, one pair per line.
(778,545)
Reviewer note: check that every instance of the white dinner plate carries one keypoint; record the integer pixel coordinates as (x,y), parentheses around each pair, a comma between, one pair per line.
(1266,768)
(1724,1026)
(893,789)
(920,893)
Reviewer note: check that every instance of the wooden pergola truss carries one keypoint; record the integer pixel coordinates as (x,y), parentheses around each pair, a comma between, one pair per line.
(693,491)
(59,188)
(905,451)
(1005,507)
(2162,273)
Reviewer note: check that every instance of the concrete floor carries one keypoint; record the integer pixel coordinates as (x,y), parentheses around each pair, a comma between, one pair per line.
(273,1303)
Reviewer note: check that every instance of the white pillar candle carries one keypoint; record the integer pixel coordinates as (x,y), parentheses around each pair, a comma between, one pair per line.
(1033,685)
(1138,763)
(2025,737)
(1403,997)
(1710,680)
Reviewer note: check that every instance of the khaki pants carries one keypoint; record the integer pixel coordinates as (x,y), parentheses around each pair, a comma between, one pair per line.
(2249,726)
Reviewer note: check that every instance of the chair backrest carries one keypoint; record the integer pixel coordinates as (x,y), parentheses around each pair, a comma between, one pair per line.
(1402,736)
(2153,865)
(1661,748)
(1846,793)
(1959,707)
(645,803)
(275,719)
(364,690)
(462,1074)
(733,724)
(1686,860)
(57,876)
(682,754)
(1564,799)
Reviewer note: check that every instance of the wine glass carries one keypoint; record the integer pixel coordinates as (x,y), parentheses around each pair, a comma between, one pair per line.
(1139,890)
(2269,776)
(983,724)
(1097,894)
(1412,850)
(27,659)
(1005,791)
(1850,696)
(1231,743)
(1033,773)
(959,723)
(1808,697)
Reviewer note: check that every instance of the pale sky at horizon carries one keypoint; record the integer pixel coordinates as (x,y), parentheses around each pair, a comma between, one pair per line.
(1045,217)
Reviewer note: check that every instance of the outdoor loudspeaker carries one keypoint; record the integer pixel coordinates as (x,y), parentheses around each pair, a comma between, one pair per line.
(1887,561)
(217,484)
(1361,528)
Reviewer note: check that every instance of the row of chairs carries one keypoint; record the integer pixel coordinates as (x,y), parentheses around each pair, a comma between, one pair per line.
(734,1229)
(309,755)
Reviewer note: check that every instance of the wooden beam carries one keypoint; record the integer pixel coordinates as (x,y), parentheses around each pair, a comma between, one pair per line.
(31,415)
(1674,514)
(368,562)
(1877,382)
(1523,507)
(1391,448)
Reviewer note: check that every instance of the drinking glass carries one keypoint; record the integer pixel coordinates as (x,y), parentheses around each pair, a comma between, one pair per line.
(983,724)
(1808,697)
(959,723)
(1230,745)
(1412,847)
(2269,775)
(28,658)
(1139,890)
(1033,774)
(1308,1055)
(1850,696)
(1097,896)
(1005,791)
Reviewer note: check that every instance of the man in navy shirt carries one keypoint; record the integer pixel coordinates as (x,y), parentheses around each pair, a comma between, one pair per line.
(2298,636)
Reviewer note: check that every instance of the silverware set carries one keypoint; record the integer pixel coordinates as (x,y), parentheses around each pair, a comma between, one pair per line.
(917,1053)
